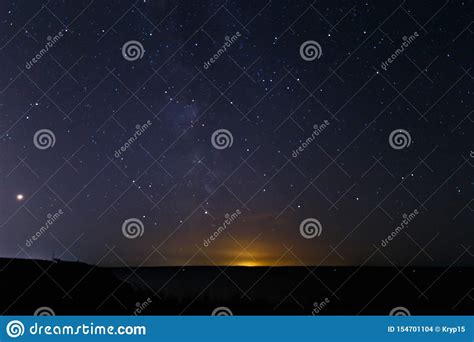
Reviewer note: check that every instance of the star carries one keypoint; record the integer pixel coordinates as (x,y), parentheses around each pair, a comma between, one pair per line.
(20,197)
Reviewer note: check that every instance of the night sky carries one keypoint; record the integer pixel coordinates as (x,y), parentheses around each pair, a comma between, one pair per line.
(224,133)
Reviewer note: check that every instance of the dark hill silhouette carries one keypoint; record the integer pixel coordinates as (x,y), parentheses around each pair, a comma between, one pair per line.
(66,287)
(26,285)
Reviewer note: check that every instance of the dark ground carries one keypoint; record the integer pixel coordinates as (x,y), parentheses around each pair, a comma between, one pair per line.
(80,289)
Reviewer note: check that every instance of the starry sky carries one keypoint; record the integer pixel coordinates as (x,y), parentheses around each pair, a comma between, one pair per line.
(67,117)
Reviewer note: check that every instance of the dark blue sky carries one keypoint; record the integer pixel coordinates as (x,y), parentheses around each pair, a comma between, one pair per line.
(177,187)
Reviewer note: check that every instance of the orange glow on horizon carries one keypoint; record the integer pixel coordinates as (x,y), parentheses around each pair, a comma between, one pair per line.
(249,263)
